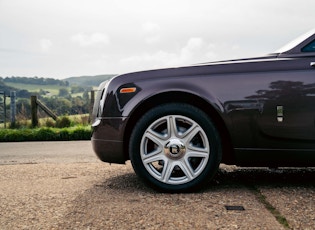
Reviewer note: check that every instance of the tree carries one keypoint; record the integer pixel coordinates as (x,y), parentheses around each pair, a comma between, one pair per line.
(63,92)
(23,93)
(77,89)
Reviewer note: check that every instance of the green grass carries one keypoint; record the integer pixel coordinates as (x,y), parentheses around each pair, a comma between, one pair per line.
(53,89)
(48,130)
(46,134)
(278,216)
(78,119)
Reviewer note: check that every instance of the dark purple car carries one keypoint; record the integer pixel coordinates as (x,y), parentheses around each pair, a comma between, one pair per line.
(177,125)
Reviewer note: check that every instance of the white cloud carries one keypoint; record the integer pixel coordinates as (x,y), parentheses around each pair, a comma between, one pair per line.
(45,45)
(145,61)
(152,32)
(140,34)
(194,50)
(94,39)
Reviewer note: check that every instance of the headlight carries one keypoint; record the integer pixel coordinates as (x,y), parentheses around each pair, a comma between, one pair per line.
(96,123)
(102,98)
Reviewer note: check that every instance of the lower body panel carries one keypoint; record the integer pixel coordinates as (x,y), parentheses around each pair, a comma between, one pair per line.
(107,139)
(275,157)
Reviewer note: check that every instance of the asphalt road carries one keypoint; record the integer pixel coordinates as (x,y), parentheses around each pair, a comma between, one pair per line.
(46,152)
(62,185)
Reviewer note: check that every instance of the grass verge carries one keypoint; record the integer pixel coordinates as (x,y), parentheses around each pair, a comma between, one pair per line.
(262,199)
(46,134)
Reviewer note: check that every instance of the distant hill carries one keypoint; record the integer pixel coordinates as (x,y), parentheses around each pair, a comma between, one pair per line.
(88,80)
(34,81)
(5,88)
(24,86)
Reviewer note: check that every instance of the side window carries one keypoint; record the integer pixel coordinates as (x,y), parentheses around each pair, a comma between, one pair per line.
(309,47)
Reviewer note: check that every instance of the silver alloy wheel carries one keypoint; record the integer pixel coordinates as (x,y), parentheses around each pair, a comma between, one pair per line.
(174,149)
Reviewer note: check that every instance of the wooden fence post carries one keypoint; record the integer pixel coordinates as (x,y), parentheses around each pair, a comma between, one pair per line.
(34,106)
(3,112)
(13,107)
(34,111)
(91,104)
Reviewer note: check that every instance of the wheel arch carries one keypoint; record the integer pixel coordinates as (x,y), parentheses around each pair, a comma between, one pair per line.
(182,97)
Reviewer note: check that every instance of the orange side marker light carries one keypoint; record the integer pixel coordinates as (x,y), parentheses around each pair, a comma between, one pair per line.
(128,90)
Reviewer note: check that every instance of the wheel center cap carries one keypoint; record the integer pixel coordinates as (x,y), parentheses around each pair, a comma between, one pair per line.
(175,149)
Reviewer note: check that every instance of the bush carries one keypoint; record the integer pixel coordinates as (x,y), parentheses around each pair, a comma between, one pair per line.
(63,122)
(15,135)
(64,134)
(49,123)
(19,124)
(46,134)
(80,133)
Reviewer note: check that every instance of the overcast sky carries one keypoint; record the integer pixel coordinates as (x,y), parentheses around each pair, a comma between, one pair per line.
(64,38)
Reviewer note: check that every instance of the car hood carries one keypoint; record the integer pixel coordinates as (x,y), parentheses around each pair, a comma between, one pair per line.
(256,64)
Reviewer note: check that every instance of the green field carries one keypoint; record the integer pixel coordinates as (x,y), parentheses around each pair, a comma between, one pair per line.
(52,89)
(76,120)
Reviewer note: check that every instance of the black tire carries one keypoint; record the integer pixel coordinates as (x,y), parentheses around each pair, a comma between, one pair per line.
(175,147)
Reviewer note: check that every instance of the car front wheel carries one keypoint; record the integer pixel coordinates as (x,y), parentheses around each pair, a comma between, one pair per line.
(175,147)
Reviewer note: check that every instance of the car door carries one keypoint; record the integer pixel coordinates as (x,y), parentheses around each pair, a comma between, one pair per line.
(289,102)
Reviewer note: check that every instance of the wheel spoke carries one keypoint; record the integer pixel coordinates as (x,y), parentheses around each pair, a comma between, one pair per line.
(171,127)
(152,157)
(201,154)
(155,137)
(167,171)
(191,133)
(187,169)
(190,130)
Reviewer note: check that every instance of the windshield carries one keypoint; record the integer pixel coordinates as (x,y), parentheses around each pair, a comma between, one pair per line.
(295,42)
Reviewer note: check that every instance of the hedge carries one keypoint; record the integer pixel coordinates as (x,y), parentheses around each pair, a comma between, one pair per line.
(46,134)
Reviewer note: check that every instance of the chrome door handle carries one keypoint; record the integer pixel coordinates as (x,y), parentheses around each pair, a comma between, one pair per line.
(312,64)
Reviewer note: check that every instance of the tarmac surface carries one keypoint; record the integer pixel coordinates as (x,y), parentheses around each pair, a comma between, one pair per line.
(62,185)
